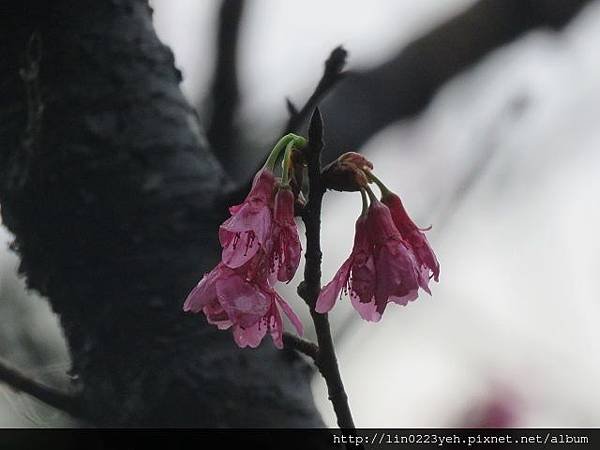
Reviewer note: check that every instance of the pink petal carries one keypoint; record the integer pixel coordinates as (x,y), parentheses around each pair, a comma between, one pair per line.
(408,297)
(331,292)
(285,236)
(288,254)
(249,337)
(244,303)
(289,312)
(243,234)
(276,327)
(423,276)
(363,278)
(204,292)
(397,270)
(412,234)
(215,315)
(368,311)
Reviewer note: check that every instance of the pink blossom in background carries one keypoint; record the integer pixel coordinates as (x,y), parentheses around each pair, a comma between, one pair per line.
(500,408)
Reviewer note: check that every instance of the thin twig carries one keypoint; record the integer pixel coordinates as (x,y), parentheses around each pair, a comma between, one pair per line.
(225,87)
(332,73)
(303,346)
(46,394)
(309,289)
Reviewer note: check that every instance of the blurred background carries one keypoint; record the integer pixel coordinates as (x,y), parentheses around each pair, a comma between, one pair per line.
(503,162)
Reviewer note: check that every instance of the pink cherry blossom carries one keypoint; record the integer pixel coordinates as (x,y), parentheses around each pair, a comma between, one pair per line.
(286,249)
(415,237)
(356,276)
(396,268)
(380,269)
(250,225)
(250,307)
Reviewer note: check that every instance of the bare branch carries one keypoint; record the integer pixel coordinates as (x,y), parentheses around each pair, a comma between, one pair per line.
(53,397)
(309,289)
(225,90)
(369,100)
(331,75)
(301,345)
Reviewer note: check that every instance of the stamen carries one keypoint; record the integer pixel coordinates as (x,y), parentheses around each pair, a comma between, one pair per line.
(249,241)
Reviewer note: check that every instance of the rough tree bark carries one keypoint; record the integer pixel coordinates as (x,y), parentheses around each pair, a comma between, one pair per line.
(114,198)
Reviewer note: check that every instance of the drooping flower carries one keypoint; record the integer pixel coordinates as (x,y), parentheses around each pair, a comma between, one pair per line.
(356,276)
(347,173)
(380,269)
(250,307)
(396,268)
(260,245)
(415,237)
(286,243)
(250,225)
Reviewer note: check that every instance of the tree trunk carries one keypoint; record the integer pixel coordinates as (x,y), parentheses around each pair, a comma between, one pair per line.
(107,183)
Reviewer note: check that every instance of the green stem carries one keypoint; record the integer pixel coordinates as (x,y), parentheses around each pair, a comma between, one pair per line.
(281,144)
(365,202)
(372,196)
(286,163)
(382,187)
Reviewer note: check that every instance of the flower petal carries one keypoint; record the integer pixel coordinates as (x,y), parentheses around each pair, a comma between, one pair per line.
(368,311)
(242,236)
(204,292)
(331,292)
(244,303)
(216,315)
(289,312)
(249,337)
(276,327)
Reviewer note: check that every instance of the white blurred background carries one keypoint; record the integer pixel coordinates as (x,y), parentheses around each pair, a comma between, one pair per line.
(504,164)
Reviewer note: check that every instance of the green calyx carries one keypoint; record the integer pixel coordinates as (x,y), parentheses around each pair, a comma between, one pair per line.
(371,194)
(365,202)
(288,142)
(287,164)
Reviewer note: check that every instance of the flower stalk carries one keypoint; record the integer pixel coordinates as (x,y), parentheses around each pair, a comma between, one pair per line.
(326,359)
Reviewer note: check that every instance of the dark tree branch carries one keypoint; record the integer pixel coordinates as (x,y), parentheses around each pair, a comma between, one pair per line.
(291,108)
(301,345)
(309,289)
(334,65)
(53,397)
(114,213)
(225,93)
(368,101)
(331,75)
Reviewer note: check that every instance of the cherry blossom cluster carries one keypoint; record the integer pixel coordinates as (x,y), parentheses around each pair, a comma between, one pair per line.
(260,247)
(391,258)
(390,261)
